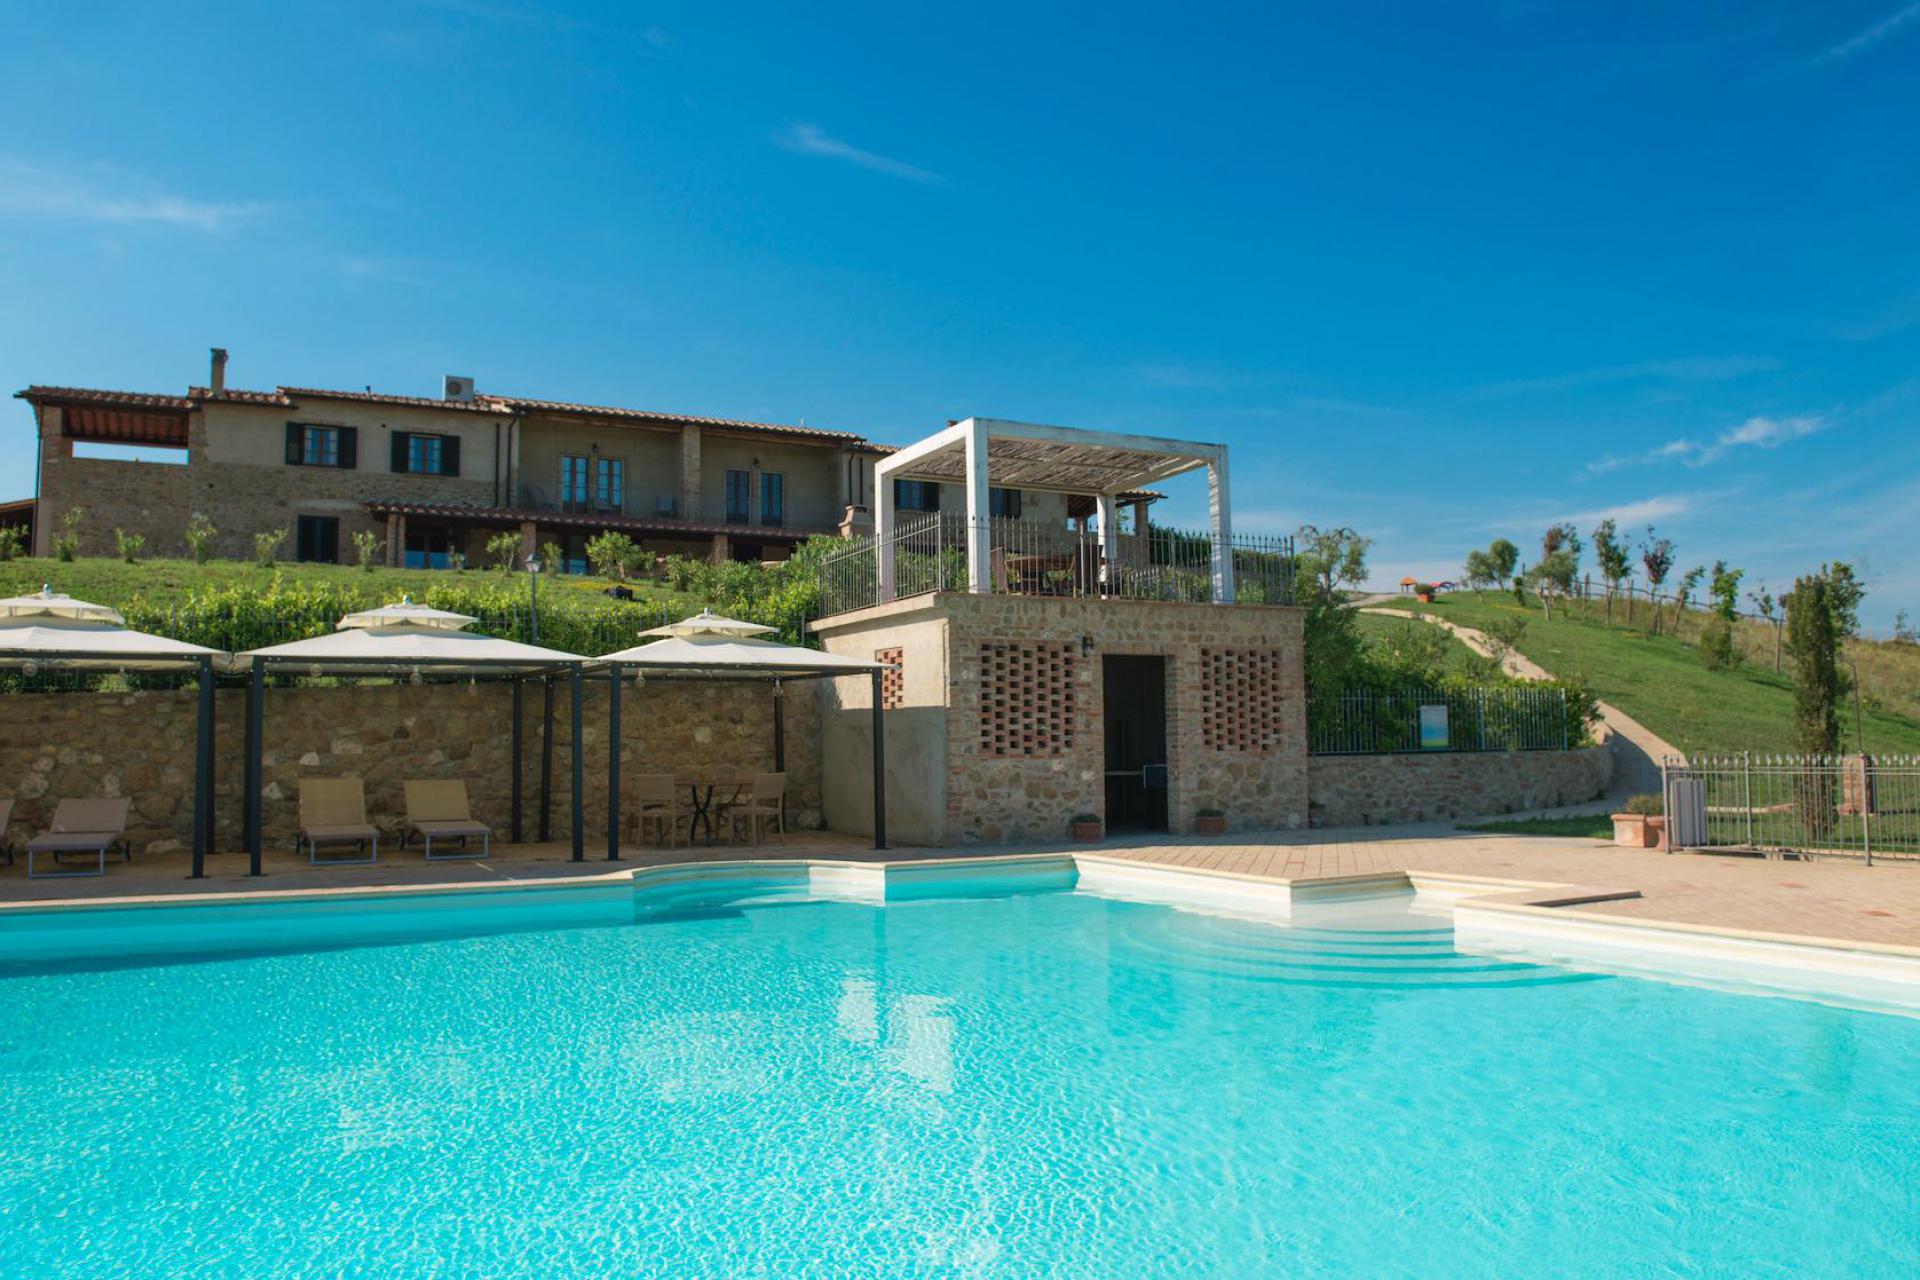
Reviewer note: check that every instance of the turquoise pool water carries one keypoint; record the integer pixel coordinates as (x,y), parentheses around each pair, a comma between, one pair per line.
(1036,1084)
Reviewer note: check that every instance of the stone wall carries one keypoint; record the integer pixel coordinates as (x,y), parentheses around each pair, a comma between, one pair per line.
(55,746)
(1364,790)
(991,797)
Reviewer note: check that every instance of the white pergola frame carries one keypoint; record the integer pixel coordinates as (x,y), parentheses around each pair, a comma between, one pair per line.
(1124,463)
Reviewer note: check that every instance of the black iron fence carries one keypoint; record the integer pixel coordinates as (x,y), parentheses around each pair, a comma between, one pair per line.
(1862,807)
(1368,721)
(929,552)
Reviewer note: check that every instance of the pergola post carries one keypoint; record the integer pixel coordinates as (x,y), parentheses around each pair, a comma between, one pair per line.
(979,509)
(883,538)
(613,762)
(256,698)
(579,768)
(1222,521)
(203,770)
(879,768)
(1108,508)
(779,728)
(519,701)
(546,759)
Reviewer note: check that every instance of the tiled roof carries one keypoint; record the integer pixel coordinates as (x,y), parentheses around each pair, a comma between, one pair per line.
(115,399)
(276,399)
(479,404)
(649,415)
(586,520)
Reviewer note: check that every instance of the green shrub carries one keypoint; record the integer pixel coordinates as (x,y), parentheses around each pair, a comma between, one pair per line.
(67,545)
(1649,805)
(129,545)
(200,534)
(612,555)
(1718,652)
(13,541)
(366,545)
(504,549)
(266,547)
(553,558)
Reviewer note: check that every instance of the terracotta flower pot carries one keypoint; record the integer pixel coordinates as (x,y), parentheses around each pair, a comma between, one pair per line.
(1086,832)
(1636,831)
(1210,825)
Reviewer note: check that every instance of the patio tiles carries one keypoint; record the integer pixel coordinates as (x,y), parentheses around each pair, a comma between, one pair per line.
(1833,900)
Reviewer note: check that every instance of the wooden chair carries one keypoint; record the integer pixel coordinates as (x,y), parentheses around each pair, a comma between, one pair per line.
(767,803)
(656,801)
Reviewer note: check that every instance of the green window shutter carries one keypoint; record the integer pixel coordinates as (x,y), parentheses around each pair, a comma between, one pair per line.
(294,441)
(400,451)
(349,448)
(449,455)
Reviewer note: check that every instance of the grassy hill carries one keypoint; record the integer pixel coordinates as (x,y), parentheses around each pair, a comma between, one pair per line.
(1660,681)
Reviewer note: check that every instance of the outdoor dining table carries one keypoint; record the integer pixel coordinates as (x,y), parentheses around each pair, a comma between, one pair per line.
(702,790)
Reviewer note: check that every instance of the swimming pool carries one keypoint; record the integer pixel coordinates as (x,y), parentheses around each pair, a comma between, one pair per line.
(585,1084)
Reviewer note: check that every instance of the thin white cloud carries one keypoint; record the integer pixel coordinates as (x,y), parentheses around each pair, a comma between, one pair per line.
(1661,507)
(806,139)
(1684,369)
(1759,432)
(27,191)
(1872,35)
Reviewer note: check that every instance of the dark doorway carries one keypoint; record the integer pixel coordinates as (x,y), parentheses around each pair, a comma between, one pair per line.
(1136,717)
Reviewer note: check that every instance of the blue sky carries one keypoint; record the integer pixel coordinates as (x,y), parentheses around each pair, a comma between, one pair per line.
(1440,272)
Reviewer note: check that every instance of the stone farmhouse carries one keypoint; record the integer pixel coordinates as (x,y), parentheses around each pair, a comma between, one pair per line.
(436,478)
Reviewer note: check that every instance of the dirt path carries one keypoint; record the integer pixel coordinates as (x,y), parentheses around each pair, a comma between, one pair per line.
(1636,748)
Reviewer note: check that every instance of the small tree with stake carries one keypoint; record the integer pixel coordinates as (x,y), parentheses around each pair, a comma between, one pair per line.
(1656,557)
(1813,641)
(1615,556)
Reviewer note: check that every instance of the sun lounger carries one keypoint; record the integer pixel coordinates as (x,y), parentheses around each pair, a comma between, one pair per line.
(82,826)
(333,811)
(439,811)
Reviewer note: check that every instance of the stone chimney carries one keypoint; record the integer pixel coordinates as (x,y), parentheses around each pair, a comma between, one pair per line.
(218,383)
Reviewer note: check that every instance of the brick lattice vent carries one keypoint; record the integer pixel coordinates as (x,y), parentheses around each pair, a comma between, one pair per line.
(893,683)
(1240,697)
(1026,699)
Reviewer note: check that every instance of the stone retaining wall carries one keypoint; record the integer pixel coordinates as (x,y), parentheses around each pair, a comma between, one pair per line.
(1351,791)
(60,745)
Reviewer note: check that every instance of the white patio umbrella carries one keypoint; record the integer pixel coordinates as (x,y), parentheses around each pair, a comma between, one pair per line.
(414,642)
(708,646)
(50,630)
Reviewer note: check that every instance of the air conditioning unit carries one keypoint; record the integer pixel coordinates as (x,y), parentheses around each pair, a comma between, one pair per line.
(458,388)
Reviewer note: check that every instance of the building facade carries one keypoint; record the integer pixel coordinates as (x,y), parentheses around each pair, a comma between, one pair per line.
(433,480)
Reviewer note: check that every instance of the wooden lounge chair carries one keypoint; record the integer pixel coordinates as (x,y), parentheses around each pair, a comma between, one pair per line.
(82,826)
(439,811)
(6,820)
(656,802)
(766,804)
(333,811)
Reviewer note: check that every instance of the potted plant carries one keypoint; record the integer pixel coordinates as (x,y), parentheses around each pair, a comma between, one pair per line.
(1085,827)
(1424,592)
(1210,822)
(1642,825)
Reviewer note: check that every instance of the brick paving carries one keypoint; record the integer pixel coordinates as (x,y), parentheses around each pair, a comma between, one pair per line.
(1839,901)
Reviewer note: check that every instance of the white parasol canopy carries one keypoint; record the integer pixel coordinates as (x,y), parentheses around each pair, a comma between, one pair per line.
(708,623)
(49,628)
(716,647)
(403,639)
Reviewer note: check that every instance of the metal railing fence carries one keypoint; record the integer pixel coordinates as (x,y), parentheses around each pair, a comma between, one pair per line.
(1369,721)
(1030,557)
(1864,807)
